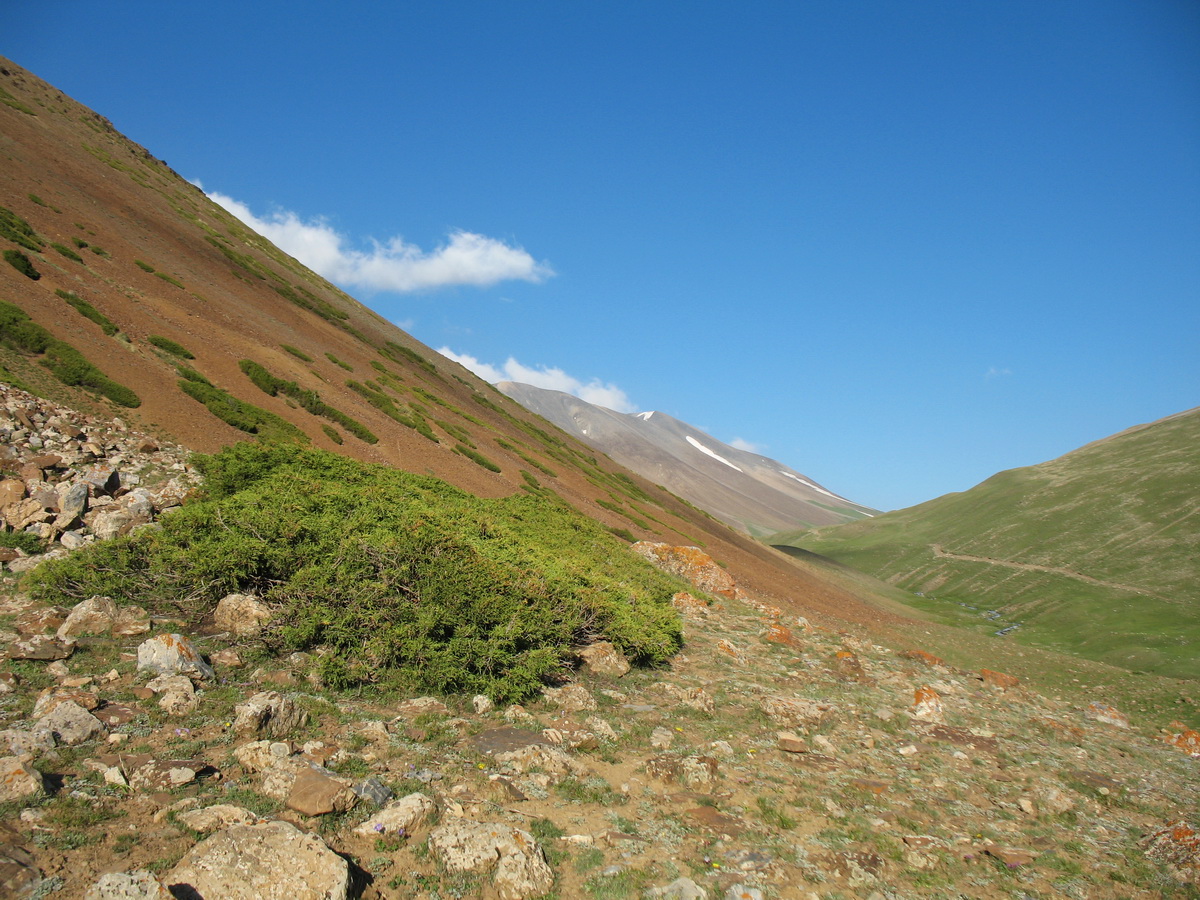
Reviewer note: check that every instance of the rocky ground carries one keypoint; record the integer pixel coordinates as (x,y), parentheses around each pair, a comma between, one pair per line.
(773,759)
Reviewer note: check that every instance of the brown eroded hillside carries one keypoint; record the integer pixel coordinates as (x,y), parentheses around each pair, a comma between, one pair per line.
(123,233)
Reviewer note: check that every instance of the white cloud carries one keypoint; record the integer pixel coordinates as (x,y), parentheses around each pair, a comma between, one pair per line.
(995,372)
(551,379)
(742,444)
(395,265)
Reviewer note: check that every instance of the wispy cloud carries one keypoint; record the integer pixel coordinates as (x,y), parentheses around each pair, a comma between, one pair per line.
(465,258)
(595,391)
(996,372)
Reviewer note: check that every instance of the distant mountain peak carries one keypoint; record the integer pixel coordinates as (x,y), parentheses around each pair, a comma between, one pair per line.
(746,490)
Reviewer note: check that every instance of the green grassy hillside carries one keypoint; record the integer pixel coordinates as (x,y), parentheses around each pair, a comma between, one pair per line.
(1095,553)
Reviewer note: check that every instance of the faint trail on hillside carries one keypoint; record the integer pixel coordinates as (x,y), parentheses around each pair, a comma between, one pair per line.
(941,553)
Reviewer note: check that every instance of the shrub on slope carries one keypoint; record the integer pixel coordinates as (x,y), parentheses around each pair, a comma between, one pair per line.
(404,580)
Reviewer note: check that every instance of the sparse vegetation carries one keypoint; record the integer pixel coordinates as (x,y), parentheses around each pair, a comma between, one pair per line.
(144,266)
(337,362)
(170,279)
(17,230)
(232,411)
(66,363)
(299,354)
(476,457)
(22,264)
(309,400)
(169,346)
(88,311)
(67,252)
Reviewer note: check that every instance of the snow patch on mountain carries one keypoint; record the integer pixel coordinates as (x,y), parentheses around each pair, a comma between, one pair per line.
(699,446)
(807,483)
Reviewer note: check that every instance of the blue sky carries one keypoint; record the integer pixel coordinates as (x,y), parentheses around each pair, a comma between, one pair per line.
(897,246)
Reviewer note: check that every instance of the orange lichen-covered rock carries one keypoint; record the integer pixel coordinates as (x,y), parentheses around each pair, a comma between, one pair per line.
(849,666)
(779,634)
(1177,846)
(732,651)
(922,656)
(691,607)
(999,679)
(1182,738)
(927,703)
(690,563)
(1108,715)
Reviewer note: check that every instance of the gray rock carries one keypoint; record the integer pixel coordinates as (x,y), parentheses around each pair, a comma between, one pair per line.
(19,779)
(136,885)
(662,738)
(19,875)
(268,861)
(71,724)
(679,889)
(94,615)
(550,760)
(172,654)
(241,614)
(373,791)
(73,504)
(405,816)
(215,818)
(602,658)
(35,742)
(269,713)
(513,856)
(111,523)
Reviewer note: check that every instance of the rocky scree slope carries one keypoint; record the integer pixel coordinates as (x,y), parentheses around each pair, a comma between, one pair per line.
(145,757)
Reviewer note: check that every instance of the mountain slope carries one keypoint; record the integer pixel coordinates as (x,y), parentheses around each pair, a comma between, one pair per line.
(220,336)
(1096,552)
(740,488)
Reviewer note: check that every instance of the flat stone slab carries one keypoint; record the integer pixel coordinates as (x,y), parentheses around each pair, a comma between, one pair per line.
(506,740)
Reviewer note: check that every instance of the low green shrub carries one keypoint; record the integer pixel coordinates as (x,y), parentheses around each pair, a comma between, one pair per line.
(338,362)
(22,264)
(144,266)
(88,311)
(17,230)
(403,580)
(170,346)
(23,541)
(170,279)
(296,352)
(66,363)
(241,415)
(476,457)
(309,400)
(68,252)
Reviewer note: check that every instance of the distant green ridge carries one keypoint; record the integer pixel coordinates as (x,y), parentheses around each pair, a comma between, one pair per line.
(1095,553)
